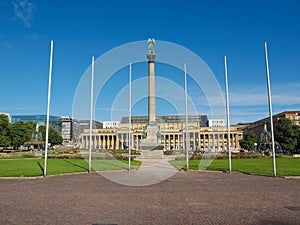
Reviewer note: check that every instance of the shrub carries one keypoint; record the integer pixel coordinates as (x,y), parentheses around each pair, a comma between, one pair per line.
(169,152)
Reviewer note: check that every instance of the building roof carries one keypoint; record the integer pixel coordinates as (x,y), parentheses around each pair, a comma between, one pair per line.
(266,120)
(202,119)
(34,118)
(277,115)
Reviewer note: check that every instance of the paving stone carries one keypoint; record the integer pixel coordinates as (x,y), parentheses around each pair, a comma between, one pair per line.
(185,198)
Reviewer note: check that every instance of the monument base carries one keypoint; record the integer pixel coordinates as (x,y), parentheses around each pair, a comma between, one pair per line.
(151,147)
(152,154)
(152,151)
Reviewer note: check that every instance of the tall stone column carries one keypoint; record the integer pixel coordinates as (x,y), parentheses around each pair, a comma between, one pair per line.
(151,88)
(152,140)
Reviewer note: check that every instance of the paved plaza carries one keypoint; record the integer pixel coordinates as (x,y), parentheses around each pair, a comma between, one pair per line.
(185,198)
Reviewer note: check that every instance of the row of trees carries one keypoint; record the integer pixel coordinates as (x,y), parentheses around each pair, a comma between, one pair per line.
(286,134)
(16,134)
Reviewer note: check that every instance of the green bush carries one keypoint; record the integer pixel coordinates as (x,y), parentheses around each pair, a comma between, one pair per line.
(169,152)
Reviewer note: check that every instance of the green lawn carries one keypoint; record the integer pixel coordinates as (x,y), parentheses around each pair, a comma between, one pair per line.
(34,167)
(106,165)
(284,166)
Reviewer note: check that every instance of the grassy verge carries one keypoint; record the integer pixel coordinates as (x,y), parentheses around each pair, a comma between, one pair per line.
(35,167)
(284,166)
(106,165)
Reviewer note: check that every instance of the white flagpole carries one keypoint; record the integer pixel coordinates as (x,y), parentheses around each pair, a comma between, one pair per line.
(186,121)
(228,115)
(129,120)
(91,114)
(48,109)
(270,109)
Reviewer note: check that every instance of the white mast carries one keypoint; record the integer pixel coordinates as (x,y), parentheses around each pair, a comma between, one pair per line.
(270,109)
(129,120)
(228,115)
(186,121)
(48,109)
(91,114)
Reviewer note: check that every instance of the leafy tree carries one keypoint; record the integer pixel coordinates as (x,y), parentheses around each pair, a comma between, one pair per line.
(16,134)
(54,137)
(29,128)
(4,131)
(297,128)
(20,132)
(248,140)
(286,134)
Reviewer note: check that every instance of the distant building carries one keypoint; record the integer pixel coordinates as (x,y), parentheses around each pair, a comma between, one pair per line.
(216,123)
(85,124)
(172,134)
(258,126)
(110,124)
(70,131)
(55,122)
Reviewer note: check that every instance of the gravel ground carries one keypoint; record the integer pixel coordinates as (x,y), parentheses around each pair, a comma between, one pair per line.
(186,198)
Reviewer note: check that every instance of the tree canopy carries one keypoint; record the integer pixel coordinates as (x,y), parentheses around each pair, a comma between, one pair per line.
(250,138)
(287,134)
(54,137)
(15,134)
(20,132)
(4,131)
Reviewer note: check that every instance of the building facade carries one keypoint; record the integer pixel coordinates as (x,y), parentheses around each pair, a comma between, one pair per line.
(55,122)
(66,126)
(70,131)
(258,126)
(110,124)
(216,123)
(85,124)
(172,134)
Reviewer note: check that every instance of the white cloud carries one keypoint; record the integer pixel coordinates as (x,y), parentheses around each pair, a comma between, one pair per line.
(250,103)
(24,11)
(282,94)
(32,37)
(6,44)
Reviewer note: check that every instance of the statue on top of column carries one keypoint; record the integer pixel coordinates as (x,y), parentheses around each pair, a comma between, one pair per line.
(151,43)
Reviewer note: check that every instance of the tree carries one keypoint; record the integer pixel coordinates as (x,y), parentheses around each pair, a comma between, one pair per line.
(297,128)
(4,131)
(286,134)
(248,141)
(16,134)
(20,132)
(54,137)
(29,128)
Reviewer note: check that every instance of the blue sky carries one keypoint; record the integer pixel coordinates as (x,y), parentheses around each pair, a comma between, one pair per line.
(210,29)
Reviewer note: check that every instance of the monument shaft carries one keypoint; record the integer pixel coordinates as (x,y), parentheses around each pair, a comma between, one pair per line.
(151,89)
(151,144)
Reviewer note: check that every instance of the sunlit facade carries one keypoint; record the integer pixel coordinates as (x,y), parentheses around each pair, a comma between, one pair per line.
(172,134)
(258,126)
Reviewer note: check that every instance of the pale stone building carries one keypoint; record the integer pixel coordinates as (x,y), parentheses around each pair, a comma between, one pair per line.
(110,124)
(258,126)
(172,134)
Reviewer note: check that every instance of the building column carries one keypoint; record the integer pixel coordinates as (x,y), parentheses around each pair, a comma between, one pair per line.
(83,141)
(113,141)
(104,142)
(117,142)
(194,141)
